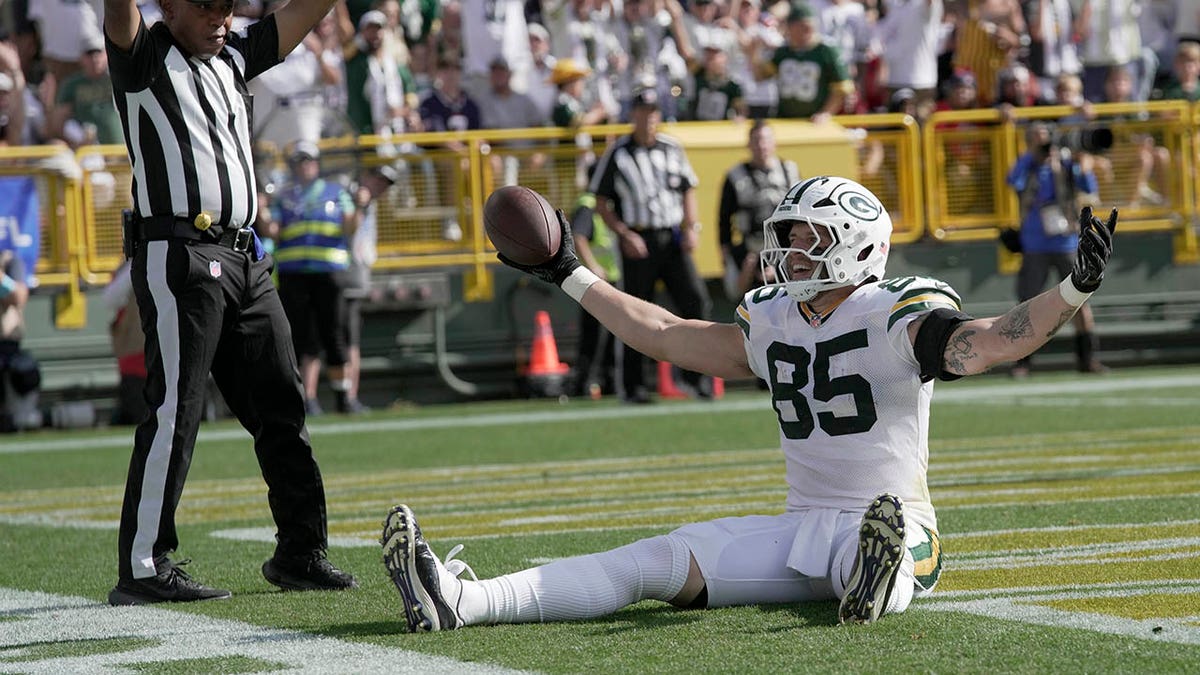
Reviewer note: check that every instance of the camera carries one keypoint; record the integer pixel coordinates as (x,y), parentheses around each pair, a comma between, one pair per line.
(1068,140)
(1090,138)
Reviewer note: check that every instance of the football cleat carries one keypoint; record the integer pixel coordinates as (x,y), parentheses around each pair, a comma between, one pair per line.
(880,552)
(430,590)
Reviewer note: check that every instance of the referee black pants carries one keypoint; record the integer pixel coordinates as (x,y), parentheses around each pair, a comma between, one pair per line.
(206,307)
(665,261)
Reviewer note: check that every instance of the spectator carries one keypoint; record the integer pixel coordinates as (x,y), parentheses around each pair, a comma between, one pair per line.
(750,193)
(1187,21)
(502,108)
(811,75)
(64,27)
(641,42)
(494,29)
(1185,76)
(756,31)
(316,218)
(1052,51)
(1156,24)
(128,344)
(570,112)
(1014,89)
(448,108)
(844,24)
(1110,37)
(716,96)
(1153,160)
(20,376)
(85,113)
(646,193)
(380,91)
(290,99)
(578,30)
(909,36)
(1052,186)
(988,35)
(541,89)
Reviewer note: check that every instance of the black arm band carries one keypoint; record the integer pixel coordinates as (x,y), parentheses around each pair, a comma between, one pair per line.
(932,336)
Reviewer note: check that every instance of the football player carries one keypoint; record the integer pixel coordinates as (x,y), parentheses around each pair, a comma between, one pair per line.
(850,357)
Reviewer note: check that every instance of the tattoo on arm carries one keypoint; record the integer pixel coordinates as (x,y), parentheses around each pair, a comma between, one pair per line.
(1016,325)
(959,351)
(1062,321)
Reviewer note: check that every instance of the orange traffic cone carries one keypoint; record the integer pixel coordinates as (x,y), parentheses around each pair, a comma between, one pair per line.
(666,382)
(543,355)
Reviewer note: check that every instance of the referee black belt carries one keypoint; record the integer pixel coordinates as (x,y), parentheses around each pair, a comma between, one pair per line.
(158,228)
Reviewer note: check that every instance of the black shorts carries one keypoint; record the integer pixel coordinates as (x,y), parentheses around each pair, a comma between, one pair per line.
(315,308)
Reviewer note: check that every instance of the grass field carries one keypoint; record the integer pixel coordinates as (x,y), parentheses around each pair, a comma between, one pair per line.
(1067,505)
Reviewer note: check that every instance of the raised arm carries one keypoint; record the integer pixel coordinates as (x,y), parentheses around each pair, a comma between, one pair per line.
(121,19)
(295,19)
(704,346)
(977,345)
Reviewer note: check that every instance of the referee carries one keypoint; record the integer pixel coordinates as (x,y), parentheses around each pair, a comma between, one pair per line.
(203,286)
(646,194)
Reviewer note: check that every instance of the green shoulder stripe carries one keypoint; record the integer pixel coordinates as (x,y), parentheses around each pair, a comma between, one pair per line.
(741,316)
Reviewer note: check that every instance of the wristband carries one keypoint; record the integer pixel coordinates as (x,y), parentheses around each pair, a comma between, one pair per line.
(578,282)
(1073,296)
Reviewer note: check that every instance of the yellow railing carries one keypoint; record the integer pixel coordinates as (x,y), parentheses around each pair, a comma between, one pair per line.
(945,181)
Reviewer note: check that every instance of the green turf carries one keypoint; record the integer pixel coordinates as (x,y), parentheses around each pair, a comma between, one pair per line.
(1063,480)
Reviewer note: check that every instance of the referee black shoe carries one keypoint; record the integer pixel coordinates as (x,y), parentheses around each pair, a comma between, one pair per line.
(313,572)
(171,584)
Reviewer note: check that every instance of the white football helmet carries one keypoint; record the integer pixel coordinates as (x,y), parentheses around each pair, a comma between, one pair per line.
(856,222)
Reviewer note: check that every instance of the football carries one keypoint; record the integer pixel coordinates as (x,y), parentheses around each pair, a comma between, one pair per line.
(522,225)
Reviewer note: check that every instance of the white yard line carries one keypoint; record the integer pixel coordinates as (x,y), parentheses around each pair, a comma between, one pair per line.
(946,394)
(1026,609)
(43,618)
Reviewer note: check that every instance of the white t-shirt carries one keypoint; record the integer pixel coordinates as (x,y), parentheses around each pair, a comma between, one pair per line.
(853,413)
(909,36)
(288,100)
(62,25)
(1113,34)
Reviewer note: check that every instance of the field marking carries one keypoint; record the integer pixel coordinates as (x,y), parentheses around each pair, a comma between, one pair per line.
(1026,609)
(947,394)
(41,618)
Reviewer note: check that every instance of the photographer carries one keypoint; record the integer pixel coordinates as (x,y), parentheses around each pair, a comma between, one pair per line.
(1052,185)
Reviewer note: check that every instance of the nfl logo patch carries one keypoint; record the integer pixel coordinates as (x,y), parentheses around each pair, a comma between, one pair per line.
(214,268)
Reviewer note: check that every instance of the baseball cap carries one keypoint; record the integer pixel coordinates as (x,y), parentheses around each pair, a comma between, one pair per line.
(568,70)
(645,98)
(961,78)
(92,41)
(800,11)
(372,17)
(899,98)
(305,150)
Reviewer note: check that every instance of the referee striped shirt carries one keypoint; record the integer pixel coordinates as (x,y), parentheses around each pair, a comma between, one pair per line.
(645,184)
(187,122)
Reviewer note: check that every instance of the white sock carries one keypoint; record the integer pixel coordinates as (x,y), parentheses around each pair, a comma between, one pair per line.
(581,587)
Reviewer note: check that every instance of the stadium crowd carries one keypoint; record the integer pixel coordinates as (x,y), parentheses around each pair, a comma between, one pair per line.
(395,66)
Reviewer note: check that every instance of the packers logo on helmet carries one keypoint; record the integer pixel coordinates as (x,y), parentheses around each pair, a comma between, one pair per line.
(839,211)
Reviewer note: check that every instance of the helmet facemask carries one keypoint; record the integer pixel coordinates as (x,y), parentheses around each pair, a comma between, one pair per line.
(849,231)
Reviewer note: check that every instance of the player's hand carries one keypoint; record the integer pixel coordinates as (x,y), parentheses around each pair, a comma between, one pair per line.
(554,270)
(1095,248)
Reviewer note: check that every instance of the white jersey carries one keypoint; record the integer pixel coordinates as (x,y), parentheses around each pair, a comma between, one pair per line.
(846,387)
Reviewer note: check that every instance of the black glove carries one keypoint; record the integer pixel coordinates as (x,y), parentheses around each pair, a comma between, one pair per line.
(554,270)
(1095,248)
